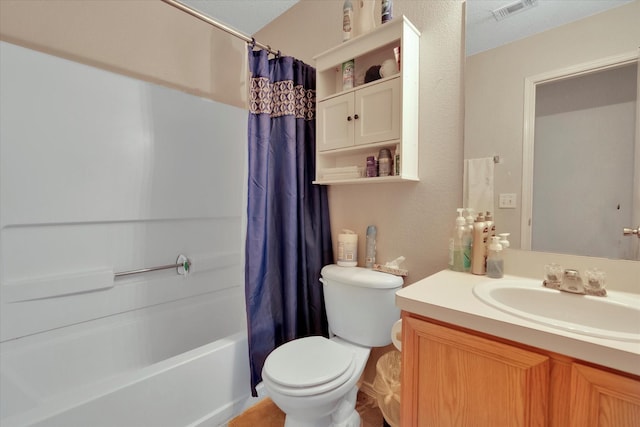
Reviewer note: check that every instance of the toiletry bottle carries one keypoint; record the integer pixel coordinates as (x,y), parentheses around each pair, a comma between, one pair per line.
(456,246)
(504,242)
(479,246)
(495,263)
(491,231)
(385,162)
(386,11)
(396,164)
(348,72)
(372,168)
(347,20)
(347,249)
(370,258)
(467,240)
(491,225)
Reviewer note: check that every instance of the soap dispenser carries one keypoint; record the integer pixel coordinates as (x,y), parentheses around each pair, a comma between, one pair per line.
(456,246)
(504,242)
(495,263)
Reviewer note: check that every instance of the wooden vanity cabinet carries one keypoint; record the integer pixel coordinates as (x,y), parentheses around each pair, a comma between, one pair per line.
(603,399)
(452,378)
(456,377)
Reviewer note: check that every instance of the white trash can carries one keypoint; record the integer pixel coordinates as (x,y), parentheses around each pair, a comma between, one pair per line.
(387,386)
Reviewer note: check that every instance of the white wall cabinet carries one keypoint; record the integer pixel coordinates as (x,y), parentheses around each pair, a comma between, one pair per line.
(364,116)
(356,123)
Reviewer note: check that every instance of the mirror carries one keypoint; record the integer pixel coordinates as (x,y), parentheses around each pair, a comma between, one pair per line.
(499,116)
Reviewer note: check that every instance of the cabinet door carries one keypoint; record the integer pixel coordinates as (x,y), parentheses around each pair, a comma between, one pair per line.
(378,111)
(452,378)
(603,399)
(335,122)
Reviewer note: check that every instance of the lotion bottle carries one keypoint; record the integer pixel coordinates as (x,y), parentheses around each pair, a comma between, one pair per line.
(479,246)
(467,240)
(491,225)
(456,246)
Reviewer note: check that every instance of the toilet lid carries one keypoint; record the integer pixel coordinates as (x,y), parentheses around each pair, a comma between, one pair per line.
(308,362)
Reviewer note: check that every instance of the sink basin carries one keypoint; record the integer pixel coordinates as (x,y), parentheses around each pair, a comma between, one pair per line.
(616,316)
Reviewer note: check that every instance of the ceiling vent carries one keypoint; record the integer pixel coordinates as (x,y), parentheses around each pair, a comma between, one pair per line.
(515,7)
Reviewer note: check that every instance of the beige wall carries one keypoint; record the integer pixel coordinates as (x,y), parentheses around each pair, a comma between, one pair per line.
(152,41)
(494,91)
(413,219)
(146,39)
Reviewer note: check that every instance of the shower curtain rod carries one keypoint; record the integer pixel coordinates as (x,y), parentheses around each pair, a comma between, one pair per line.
(219,25)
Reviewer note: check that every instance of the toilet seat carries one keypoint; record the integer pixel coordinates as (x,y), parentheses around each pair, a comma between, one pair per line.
(308,366)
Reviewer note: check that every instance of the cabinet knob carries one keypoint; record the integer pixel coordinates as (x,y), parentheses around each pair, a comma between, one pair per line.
(356,117)
(349,118)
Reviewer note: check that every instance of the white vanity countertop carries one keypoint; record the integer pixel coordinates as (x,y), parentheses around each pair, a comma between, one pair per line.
(448,296)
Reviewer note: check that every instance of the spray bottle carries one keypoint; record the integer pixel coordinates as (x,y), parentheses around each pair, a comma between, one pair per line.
(370,258)
(347,20)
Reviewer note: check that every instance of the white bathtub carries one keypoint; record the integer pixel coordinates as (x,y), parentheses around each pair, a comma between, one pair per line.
(144,368)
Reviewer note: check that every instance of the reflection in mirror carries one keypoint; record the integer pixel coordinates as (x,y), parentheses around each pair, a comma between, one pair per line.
(583,164)
(496,123)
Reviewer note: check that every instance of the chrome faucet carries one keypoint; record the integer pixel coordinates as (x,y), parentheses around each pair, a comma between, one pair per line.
(572,282)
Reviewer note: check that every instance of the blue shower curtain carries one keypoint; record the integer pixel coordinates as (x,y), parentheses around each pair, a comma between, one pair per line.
(288,233)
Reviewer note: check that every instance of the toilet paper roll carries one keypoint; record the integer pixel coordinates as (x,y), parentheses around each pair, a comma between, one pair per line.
(396,334)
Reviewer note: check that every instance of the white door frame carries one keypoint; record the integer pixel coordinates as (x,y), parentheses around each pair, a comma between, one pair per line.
(528,136)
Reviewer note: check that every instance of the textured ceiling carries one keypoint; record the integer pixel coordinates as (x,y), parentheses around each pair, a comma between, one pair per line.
(246,16)
(483,31)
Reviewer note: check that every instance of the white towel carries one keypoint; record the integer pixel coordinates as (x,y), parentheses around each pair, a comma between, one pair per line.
(478,184)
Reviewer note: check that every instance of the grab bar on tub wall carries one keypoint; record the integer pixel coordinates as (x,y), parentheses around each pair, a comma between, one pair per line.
(182,266)
(69,284)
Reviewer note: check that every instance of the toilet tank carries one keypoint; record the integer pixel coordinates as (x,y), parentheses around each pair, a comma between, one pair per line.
(360,304)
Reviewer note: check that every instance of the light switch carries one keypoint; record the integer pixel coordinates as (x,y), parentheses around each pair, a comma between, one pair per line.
(507,201)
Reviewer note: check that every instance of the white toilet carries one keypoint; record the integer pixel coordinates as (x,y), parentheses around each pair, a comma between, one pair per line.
(313,380)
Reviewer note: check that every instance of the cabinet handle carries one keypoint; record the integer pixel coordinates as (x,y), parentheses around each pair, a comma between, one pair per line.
(348,118)
(356,117)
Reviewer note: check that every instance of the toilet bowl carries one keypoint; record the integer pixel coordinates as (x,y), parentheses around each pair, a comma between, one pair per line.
(314,380)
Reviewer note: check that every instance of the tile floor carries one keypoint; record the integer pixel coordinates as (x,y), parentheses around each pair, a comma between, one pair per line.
(266,414)
(369,412)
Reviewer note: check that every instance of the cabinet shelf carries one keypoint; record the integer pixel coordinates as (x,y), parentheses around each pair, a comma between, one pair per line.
(362,86)
(365,180)
(356,123)
(362,150)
